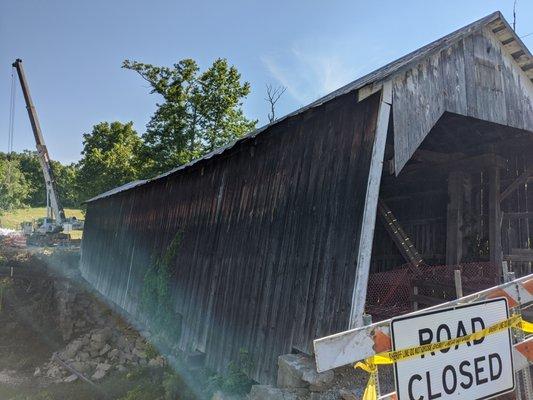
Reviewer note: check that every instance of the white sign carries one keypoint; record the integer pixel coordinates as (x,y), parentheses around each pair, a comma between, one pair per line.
(473,370)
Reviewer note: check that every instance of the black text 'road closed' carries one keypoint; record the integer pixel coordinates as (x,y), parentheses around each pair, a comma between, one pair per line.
(476,369)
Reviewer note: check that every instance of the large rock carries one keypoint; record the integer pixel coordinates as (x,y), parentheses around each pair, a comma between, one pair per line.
(105,349)
(113,354)
(267,392)
(104,366)
(101,336)
(299,371)
(95,347)
(72,348)
(157,362)
(98,374)
(54,372)
(101,371)
(347,394)
(83,356)
(139,353)
(70,378)
(81,366)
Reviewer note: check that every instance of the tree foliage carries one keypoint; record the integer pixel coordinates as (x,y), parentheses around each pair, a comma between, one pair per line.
(65,176)
(67,184)
(199,111)
(14,189)
(109,158)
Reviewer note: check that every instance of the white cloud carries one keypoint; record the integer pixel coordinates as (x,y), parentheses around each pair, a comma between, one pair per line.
(309,73)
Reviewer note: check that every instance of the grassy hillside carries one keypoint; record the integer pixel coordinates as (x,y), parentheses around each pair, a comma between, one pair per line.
(13,219)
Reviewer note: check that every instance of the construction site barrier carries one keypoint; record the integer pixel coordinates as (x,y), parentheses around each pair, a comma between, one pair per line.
(390,357)
(373,342)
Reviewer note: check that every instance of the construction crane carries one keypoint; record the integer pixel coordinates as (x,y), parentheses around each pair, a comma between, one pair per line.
(53,205)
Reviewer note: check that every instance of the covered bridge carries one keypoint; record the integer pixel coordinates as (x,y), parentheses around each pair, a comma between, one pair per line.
(423,162)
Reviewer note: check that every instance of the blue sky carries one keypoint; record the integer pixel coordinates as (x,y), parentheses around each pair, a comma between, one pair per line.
(73,49)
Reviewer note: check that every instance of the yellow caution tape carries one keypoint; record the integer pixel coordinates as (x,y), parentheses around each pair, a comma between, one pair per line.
(526,326)
(390,357)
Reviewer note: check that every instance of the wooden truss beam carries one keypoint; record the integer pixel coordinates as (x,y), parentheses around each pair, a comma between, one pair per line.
(398,235)
(520,180)
(466,164)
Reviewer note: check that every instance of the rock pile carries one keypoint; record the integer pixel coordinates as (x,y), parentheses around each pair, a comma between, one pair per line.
(100,351)
(102,342)
(297,380)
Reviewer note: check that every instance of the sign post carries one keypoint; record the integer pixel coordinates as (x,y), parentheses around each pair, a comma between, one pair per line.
(478,369)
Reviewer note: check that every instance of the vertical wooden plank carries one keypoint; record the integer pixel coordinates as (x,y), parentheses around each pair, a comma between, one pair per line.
(454,218)
(370,208)
(495,234)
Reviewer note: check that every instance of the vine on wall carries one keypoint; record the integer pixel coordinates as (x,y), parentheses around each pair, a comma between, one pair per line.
(156,298)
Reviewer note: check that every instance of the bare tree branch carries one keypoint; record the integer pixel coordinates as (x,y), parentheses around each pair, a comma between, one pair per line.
(273,95)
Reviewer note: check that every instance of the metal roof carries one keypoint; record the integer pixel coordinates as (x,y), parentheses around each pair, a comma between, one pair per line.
(497,23)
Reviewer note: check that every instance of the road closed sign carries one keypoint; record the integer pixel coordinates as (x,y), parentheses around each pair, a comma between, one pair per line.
(477,369)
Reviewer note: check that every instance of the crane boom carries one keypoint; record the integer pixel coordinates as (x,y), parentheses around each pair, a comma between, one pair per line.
(44,158)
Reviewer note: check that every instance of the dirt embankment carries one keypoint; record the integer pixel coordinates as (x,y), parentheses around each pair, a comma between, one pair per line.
(59,341)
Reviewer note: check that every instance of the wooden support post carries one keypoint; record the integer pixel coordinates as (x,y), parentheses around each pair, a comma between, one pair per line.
(495,230)
(415,294)
(454,218)
(458,283)
(368,225)
(505,270)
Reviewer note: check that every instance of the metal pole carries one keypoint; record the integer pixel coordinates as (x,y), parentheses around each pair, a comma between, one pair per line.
(524,391)
(367,320)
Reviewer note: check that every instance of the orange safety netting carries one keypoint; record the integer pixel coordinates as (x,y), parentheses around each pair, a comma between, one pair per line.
(392,293)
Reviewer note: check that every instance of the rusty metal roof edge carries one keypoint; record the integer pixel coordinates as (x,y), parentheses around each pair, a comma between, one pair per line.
(375,76)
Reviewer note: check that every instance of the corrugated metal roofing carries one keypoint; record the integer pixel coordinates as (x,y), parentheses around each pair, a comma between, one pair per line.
(378,75)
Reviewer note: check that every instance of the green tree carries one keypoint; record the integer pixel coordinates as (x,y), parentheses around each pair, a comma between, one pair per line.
(31,169)
(109,158)
(14,189)
(199,112)
(65,176)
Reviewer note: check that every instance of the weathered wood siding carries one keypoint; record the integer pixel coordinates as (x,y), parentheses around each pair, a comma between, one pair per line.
(517,210)
(270,236)
(474,77)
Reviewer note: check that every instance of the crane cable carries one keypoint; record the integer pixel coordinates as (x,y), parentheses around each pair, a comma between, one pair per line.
(11,130)
(12,111)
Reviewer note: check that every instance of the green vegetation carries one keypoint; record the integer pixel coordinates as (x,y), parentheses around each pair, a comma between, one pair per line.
(199,112)
(235,380)
(156,300)
(14,189)
(22,182)
(175,388)
(142,384)
(110,158)
(14,218)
